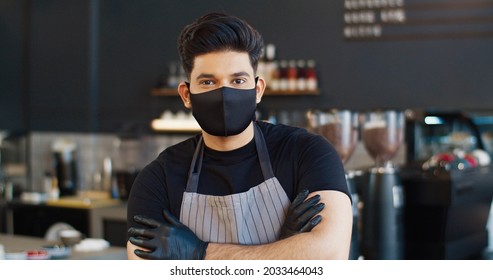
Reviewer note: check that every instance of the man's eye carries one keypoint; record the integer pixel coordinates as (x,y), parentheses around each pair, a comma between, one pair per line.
(238,81)
(207,82)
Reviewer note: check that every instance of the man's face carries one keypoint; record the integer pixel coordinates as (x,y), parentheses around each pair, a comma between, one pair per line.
(221,69)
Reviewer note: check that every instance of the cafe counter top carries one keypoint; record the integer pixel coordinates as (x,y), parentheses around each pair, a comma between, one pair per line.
(19,244)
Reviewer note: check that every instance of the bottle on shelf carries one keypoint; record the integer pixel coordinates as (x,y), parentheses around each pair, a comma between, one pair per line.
(172,80)
(311,76)
(275,77)
(301,78)
(283,75)
(182,76)
(270,63)
(261,64)
(292,75)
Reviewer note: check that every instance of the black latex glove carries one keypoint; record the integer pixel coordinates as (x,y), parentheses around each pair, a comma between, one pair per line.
(170,240)
(301,215)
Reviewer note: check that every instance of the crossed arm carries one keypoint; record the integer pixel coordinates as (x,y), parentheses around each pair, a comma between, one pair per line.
(330,239)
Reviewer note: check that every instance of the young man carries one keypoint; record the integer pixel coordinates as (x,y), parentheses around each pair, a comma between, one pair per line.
(237,190)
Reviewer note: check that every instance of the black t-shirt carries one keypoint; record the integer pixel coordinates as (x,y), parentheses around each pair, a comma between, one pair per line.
(299,160)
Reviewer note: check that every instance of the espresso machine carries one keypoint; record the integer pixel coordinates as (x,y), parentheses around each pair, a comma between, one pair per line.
(340,128)
(447,183)
(382,231)
(65,166)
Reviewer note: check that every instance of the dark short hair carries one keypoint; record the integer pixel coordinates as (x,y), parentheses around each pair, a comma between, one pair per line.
(218,32)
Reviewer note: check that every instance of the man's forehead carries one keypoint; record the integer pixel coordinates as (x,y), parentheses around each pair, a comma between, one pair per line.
(222,64)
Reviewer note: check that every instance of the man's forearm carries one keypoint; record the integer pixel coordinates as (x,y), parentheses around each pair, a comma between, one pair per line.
(329,240)
(289,248)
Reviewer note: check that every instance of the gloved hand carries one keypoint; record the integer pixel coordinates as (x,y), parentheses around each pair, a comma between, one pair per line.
(301,215)
(171,240)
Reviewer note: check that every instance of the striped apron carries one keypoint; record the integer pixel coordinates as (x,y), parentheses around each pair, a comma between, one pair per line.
(252,217)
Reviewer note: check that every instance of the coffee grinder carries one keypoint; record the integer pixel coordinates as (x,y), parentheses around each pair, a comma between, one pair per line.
(340,128)
(383,197)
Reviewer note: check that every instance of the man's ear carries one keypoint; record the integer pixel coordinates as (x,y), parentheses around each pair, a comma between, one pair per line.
(184,93)
(260,87)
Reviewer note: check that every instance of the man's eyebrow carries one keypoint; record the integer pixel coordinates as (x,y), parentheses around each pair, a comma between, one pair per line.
(204,75)
(240,74)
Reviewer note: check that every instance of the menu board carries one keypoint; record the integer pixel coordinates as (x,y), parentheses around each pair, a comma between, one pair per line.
(417,19)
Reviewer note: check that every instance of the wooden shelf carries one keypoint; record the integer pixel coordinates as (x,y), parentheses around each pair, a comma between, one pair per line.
(268,92)
(164,92)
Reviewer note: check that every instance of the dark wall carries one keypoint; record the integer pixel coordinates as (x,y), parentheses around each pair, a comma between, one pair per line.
(92,63)
(12,98)
(59,65)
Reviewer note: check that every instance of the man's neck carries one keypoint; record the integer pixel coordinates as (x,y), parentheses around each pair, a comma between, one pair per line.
(221,143)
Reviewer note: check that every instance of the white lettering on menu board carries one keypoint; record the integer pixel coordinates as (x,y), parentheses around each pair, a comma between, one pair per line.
(417,19)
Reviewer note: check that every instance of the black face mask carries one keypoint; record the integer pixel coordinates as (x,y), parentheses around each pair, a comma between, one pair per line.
(224,111)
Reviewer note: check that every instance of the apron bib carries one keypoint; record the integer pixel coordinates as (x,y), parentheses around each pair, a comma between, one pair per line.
(249,218)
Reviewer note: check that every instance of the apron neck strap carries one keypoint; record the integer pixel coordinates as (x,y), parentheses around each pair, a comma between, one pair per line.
(194,171)
(263,153)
